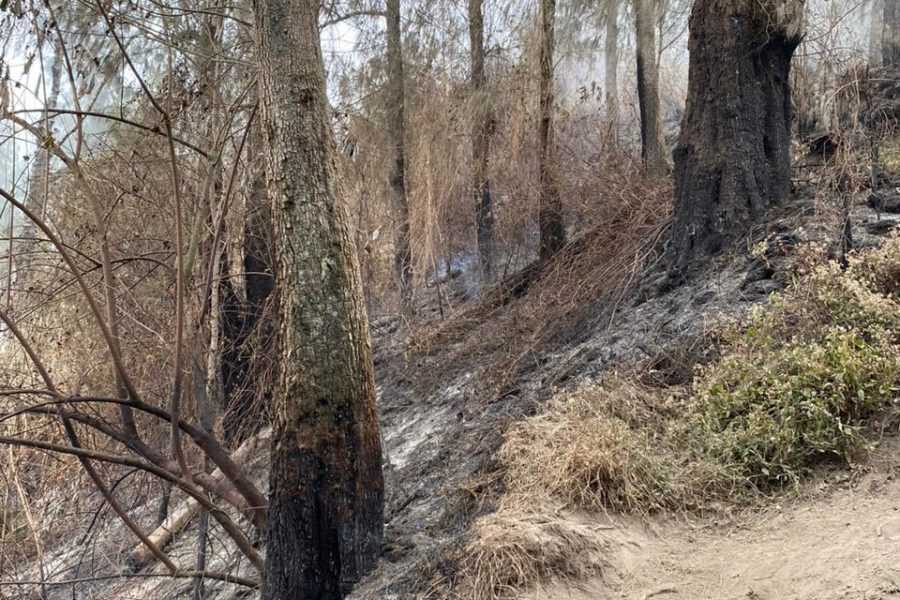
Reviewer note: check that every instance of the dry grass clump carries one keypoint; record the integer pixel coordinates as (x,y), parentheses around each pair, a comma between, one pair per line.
(524,544)
(610,446)
(588,450)
(879,268)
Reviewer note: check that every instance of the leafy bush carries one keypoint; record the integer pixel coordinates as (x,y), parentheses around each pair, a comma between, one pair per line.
(826,298)
(771,414)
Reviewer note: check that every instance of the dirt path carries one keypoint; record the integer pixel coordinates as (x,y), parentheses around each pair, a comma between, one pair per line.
(837,541)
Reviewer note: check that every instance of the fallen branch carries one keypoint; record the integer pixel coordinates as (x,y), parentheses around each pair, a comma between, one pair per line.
(182,516)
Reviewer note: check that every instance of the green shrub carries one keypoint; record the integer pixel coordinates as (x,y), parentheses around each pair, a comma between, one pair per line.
(827,298)
(771,413)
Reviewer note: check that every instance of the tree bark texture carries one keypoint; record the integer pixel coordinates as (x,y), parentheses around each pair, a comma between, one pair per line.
(652,145)
(552,228)
(733,158)
(396,129)
(481,139)
(326,491)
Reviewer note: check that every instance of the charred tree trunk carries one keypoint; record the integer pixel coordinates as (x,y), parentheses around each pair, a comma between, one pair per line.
(611,76)
(326,494)
(396,128)
(481,139)
(733,158)
(652,145)
(250,336)
(552,229)
(890,39)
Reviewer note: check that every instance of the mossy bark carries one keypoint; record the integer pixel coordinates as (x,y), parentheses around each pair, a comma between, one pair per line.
(326,493)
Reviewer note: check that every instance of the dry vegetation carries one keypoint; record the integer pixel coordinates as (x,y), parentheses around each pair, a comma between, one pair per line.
(810,378)
(798,384)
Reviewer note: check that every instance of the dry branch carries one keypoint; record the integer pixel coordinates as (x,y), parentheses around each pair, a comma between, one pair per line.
(182,516)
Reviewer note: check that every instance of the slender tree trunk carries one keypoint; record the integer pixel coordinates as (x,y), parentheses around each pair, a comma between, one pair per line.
(396,129)
(248,337)
(611,75)
(249,355)
(876,30)
(733,157)
(652,145)
(39,176)
(481,140)
(552,229)
(326,491)
(890,40)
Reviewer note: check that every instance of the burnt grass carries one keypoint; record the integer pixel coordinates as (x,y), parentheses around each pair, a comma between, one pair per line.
(449,388)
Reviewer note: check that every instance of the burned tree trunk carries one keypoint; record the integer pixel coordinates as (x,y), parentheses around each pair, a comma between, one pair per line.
(248,350)
(733,158)
(652,145)
(481,139)
(396,128)
(326,491)
(552,229)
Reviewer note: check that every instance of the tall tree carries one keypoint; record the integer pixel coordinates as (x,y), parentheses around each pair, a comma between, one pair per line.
(552,230)
(326,491)
(733,157)
(481,138)
(39,177)
(890,39)
(611,74)
(652,145)
(876,30)
(396,130)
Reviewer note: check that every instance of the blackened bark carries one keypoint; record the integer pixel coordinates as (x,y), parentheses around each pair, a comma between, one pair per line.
(326,489)
(396,128)
(552,229)
(652,145)
(481,139)
(733,160)
(248,353)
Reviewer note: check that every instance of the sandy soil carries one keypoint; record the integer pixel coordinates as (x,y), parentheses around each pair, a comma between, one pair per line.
(835,540)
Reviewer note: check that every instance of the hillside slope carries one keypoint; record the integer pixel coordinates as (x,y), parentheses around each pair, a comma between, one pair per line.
(449,391)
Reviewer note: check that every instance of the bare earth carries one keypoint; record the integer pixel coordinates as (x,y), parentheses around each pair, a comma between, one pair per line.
(836,540)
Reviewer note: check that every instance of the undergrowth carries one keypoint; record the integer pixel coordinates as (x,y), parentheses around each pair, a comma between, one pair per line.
(794,386)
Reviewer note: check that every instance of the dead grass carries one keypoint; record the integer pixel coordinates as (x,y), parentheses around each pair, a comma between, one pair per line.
(609,446)
(612,446)
(588,281)
(523,544)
